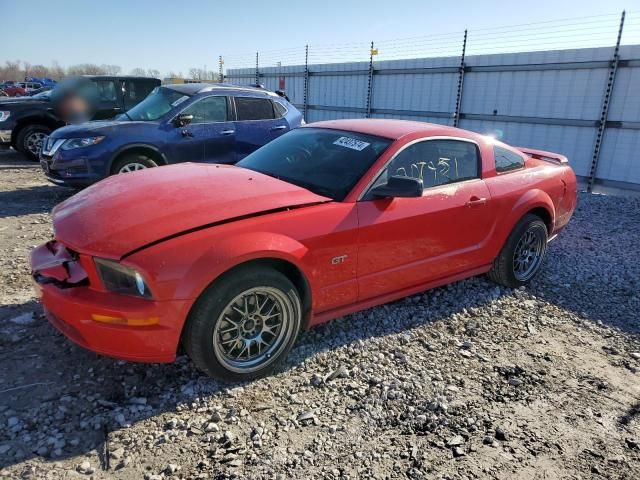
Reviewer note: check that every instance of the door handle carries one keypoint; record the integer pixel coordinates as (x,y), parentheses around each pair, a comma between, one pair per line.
(187,133)
(279,127)
(476,202)
(227,132)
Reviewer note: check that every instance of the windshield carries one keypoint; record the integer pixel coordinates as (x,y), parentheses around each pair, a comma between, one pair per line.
(327,162)
(157,103)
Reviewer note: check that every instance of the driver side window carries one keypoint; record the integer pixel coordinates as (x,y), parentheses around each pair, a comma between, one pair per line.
(435,162)
(209,109)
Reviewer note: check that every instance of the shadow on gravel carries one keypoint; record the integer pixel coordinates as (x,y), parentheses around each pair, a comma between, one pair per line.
(592,267)
(61,401)
(631,415)
(36,199)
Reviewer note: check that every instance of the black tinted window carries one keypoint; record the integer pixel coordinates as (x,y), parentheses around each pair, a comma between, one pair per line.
(507,160)
(209,109)
(435,162)
(135,92)
(327,162)
(248,108)
(107,90)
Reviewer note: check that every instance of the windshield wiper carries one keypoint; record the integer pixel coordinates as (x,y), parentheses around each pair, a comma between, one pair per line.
(128,116)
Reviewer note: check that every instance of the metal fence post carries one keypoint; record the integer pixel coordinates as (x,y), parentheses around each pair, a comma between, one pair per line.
(306,81)
(257,71)
(456,115)
(220,73)
(604,113)
(370,83)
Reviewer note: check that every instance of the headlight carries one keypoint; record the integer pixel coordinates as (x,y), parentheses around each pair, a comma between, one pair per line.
(121,279)
(4,115)
(81,142)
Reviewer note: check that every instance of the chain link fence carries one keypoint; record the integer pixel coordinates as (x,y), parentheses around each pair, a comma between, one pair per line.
(547,84)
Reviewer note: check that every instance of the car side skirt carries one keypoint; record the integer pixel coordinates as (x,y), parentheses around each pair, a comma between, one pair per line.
(322,317)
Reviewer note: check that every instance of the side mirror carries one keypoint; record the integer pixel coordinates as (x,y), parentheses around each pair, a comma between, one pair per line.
(182,120)
(399,187)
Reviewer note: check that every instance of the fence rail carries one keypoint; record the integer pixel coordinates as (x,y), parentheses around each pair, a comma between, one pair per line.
(584,102)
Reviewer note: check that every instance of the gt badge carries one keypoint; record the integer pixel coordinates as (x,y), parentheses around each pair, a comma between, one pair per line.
(337,260)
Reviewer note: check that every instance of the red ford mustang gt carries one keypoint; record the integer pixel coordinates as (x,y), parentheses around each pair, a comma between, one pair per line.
(233,261)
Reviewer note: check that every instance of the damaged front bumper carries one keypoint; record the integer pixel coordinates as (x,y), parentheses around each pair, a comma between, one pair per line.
(74,301)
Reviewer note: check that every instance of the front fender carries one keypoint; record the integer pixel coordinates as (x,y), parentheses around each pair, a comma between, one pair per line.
(183,267)
(134,146)
(237,250)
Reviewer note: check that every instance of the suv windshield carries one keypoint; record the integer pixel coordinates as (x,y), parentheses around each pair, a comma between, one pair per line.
(42,95)
(156,104)
(327,162)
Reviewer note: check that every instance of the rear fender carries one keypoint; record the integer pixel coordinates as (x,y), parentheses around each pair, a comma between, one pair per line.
(529,200)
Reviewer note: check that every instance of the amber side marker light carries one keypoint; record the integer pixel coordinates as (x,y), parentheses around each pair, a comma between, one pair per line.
(131,322)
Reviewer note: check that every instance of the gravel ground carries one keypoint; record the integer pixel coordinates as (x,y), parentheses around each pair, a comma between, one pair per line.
(466,381)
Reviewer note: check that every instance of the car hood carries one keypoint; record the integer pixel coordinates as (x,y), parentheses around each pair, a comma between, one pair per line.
(127,212)
(12,101)
(96,127)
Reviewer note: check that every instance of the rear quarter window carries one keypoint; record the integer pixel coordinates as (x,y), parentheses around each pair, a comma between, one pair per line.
(280,109)
(506,160)
(249,108)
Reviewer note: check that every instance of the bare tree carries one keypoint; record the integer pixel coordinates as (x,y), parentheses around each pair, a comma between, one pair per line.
(27,70)
(11,71)
(152,72)
(56,72)
(85,69)
(39,71)
(139,72)
(111,69)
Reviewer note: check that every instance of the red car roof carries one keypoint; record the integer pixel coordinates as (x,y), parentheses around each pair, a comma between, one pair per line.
(395,129)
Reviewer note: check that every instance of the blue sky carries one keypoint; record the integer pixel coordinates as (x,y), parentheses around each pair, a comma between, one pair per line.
(175,36)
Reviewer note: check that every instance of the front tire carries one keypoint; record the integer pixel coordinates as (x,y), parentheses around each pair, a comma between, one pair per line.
(244,324)
(30,139)
(522,255)
(131,163)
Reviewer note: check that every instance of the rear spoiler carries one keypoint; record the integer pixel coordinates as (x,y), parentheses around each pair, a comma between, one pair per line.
(544,155)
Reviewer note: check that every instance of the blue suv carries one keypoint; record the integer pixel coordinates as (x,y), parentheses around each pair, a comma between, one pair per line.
(194,122)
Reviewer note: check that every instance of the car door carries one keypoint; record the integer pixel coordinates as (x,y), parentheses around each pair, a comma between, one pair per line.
(209,137)
(257,123)
(109,99)
(405,242)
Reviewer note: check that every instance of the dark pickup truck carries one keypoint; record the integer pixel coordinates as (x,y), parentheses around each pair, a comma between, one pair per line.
(26,121)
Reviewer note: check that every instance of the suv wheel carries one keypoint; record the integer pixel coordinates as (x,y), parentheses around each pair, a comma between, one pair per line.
(30,140)
(131,163)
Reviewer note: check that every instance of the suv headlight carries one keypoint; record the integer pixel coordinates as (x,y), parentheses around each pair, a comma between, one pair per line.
(4,115)
(72,143)
(121,279)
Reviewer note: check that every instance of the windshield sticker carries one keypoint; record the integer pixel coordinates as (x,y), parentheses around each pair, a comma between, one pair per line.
(351,143)
(179,101)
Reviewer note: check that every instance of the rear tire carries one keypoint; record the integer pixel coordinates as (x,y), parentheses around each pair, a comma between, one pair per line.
(29,141)
(244,324)
(132,162)
(522,255)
